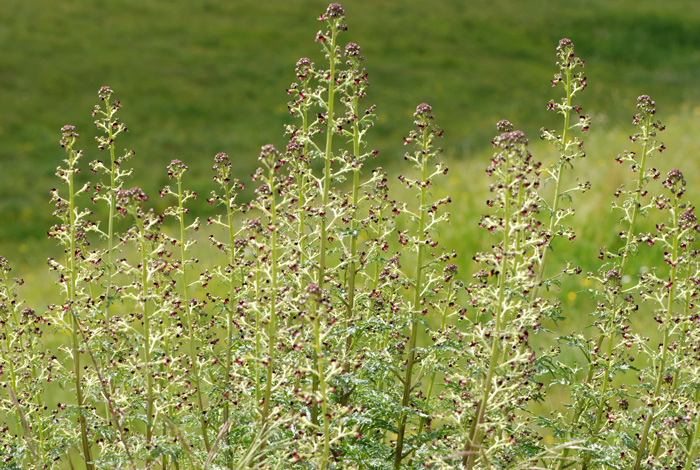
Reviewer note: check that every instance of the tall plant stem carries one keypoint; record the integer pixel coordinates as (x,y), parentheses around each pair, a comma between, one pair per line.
(318,347)
(408,379)
(641,450)
(231,303)
(146,333)
(272,324)
(190,320)
(424,419)
(352,270)
(557,188)
(110,237)
(327,177)
(580,408)
(473,446)
(72,300)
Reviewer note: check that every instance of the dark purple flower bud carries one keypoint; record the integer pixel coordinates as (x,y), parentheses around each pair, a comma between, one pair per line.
(687,219)
(240,243)
(105,93)
(176,169)
(646,104)
(507,139)
(221,160)
(134,194)
(68,135)
(614,278)
(269,155)
(674,176)
(352,50)
(303,68)
(450,271)
(335,10)
(424,109)
(504,126)
(254,224)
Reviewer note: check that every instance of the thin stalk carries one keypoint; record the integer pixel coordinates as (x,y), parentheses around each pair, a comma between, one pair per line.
(424,420)
(327,176)
(352,274)
(272,324)
(258,342)
(475,435)
(322,384)
(229,309)
(408,380)
(146,332)
(557,188)
(580,408)
(641,450)
(72,299)
(110,237)
(606,379)
(190,320)
(7,356)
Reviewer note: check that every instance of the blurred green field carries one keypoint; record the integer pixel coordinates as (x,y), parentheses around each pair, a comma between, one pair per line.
(197,78)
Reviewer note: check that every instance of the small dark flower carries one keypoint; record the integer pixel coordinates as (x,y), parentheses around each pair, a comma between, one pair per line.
(613,278)
(504,126)
(303,67)
(424,109)
(646,104)
(240,243)
(176,169)
(68,135)
(105,93)
(450,271)
(688,219)
(507,139)
(352,50)
(335,10)
(563,43)
(268,154)
(674,176)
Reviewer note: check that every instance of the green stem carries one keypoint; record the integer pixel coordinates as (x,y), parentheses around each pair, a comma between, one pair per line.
(352,274)
(581,405)
(190,321)
(272,325)
(408,380)
(641,450)
(327,177)
(146,333)
(557,189)
(472,447)
(323,388)
(229,310)
(72,299)
(110,237)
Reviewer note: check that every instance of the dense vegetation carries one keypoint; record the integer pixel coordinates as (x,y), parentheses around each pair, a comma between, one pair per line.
(326,315)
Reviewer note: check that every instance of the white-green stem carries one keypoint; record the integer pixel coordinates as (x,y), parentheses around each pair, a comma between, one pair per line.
(472,446)
(191,325)
(72,300)
(327,177)
(641,449)
(408,379)
(272,322)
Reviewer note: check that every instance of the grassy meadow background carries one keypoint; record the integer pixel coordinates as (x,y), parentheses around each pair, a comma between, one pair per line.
(200,77)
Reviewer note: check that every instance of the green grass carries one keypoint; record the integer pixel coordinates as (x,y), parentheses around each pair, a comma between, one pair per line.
(197,78)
